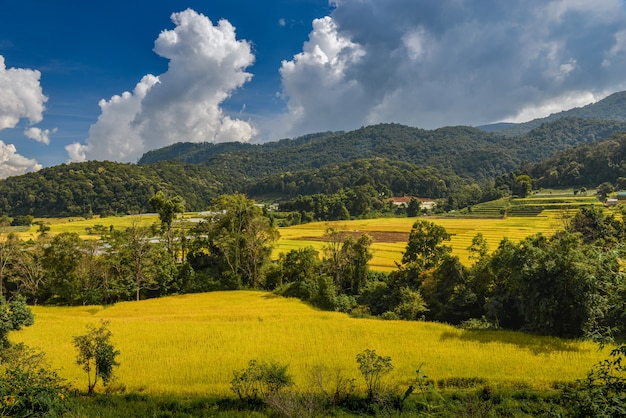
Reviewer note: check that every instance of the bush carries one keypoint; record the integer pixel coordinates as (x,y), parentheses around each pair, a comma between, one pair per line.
(27,386)
(259,380)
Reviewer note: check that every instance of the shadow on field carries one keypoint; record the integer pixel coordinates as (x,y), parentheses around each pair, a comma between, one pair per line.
(534,343)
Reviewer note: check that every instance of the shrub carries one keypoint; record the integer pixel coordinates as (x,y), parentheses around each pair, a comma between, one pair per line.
(259,380)
(27,386)
(373,367)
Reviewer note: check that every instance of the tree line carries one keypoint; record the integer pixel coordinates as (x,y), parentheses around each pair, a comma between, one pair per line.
(569,285)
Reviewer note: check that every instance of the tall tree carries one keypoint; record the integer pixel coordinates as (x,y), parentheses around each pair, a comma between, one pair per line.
(9,250)
(241,238)
(167,210)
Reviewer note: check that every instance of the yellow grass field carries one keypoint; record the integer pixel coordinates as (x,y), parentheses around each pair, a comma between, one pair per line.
(191,344)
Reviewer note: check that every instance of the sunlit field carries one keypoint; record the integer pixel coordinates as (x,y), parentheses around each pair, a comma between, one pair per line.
(391,234)
(549,212)
(192,344)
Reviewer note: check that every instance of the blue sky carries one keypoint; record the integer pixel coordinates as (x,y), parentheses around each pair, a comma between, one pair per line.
(112,80)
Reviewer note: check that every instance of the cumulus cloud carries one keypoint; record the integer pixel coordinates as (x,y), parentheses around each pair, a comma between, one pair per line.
(39,135)
(206,65)
(449,62)
(13,164)
(21,96)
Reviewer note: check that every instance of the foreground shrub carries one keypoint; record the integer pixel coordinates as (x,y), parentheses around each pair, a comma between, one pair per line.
(603,392)
(28,387)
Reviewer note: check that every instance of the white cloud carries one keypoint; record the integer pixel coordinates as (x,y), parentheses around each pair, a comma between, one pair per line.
(13,164)
(39,135)
(21,96)
(206,65)
(317,81)
(449,62)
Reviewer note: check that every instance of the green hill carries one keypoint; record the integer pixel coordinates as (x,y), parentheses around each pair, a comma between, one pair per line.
(612,107)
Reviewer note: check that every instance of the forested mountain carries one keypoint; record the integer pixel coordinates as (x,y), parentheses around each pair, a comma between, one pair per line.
(612,107)
(584,165)
(104,188)
(465,151)
(391,158)
(196,153)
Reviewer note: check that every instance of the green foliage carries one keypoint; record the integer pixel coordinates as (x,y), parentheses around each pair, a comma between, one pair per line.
(96,355)
(425,247)
(603,392)
(13,316)
(28,388)
(373,367)
(260,380)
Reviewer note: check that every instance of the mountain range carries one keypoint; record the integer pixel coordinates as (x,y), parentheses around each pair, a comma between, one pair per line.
(410,158)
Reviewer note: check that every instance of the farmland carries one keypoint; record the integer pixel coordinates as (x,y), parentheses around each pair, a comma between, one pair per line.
(191,344)
(543,212)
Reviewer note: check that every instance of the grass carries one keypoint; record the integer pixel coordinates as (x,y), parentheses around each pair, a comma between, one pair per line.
(191,344)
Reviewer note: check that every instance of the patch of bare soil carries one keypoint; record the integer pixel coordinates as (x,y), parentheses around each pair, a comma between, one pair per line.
(378,236)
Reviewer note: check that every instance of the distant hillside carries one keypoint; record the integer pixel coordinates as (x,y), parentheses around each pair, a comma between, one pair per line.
(612,107)
(586,165)
(196,153)
(394,158)
(105,188)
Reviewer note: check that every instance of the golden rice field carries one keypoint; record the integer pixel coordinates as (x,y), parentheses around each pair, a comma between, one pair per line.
(390,234)
(385,253)
(191,344)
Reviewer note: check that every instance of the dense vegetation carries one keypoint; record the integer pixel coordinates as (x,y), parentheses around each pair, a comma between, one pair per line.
(584,166)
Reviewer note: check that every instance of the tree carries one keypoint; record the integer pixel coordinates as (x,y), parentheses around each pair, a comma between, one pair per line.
(413,208)
(61,258)
(13,316)
(28,272)
(425,247)
(167,210)
(479,248)
(240,240)
(96,355)
(373,367)
(523,185)
(604,189)
(134,249)
(9,250)
(260,380)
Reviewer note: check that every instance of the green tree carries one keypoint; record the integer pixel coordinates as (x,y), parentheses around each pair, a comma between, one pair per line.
(9,250)
(167,210)
(425,247)
(604,189)
(28,388)
(260,380)
(13,316)
(61,259)
(28,273)
(523,185)
(96,355)
(240,240)
(373,367)
(413,208)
